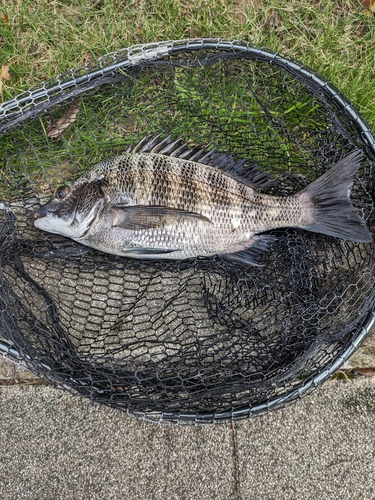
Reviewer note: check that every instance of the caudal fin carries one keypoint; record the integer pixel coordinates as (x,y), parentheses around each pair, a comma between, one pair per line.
(334,213)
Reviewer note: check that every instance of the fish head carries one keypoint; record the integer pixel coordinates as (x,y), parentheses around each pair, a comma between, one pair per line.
(71,209)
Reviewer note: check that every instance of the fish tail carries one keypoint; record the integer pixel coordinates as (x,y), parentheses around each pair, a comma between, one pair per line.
(332,210)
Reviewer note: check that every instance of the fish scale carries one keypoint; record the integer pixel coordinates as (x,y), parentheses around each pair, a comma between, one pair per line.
(156,205)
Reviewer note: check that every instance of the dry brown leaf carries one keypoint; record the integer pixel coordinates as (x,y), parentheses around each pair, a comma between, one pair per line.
(56,130)
(5,19)
(370,5)
(366,372)
(273,20)
(5,73)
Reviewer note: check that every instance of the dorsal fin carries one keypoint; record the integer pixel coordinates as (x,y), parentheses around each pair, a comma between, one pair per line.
(245,170)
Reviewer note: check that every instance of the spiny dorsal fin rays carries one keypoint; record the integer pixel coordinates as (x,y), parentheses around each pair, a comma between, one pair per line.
(244,170)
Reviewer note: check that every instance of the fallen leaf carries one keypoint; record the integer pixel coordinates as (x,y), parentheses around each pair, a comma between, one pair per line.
(57,129)
(273,20)
(370,5)
(5,19)
(5,73)
(366,372)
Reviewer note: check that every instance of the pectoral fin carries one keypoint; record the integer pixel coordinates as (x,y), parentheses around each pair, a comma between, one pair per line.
(139,217)
(148,253)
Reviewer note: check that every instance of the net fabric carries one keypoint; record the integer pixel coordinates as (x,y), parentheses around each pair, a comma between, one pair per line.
(201,340)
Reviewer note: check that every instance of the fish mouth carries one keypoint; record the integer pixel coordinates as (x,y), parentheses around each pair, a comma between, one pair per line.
(44,211)
(39,214)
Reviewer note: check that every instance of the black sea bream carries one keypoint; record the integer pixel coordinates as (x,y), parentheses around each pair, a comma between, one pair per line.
(160,200)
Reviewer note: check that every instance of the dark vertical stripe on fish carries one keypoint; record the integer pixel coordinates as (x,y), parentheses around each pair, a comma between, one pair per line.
(142,175)
(156,174)
(243,191)
(168,187)
(212,187)
(218,187)
(166,183)
(189,189)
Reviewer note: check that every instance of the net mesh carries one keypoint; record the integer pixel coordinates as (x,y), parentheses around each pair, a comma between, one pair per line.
(201,340)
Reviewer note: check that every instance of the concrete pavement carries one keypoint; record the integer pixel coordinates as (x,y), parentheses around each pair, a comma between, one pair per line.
(55,446)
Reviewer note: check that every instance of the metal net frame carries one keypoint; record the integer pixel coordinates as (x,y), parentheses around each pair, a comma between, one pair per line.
(202,340)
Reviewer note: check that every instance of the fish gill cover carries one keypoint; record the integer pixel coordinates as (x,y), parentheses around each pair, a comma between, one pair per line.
(203,339)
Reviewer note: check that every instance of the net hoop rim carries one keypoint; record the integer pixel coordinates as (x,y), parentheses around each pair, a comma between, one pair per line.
(143,53)
(150,52)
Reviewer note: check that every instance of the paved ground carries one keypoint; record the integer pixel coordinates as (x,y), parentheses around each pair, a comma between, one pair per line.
(55,446)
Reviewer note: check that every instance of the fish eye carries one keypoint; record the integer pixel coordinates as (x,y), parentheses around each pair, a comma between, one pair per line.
(61,192)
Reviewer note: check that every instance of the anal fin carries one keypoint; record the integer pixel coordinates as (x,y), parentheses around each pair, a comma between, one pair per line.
(253,254)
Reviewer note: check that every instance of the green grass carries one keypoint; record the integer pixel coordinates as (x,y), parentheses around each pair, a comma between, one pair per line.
(336,37)
(39,40)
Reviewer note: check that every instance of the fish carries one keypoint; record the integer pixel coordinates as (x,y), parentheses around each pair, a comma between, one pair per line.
(162,200)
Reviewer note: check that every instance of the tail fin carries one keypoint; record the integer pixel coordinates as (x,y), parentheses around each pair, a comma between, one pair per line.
(334,213)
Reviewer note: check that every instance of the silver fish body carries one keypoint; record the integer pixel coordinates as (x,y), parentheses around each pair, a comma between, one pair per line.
(152,205)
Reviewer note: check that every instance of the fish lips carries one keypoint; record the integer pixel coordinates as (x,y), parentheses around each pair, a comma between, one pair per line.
(39,214)
(50,209)
(43,212)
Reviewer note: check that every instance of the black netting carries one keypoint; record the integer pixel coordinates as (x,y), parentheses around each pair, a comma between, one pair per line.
(196,340)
